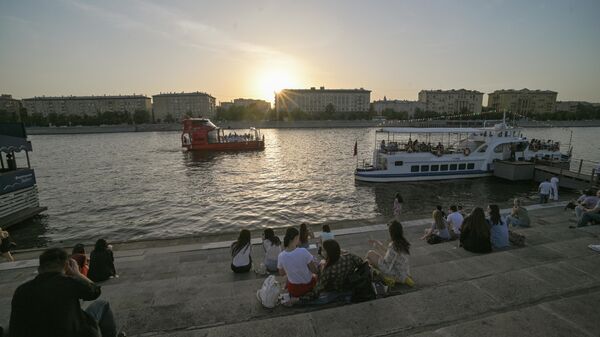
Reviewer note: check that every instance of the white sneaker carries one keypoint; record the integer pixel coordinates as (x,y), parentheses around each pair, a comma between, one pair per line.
(595,248)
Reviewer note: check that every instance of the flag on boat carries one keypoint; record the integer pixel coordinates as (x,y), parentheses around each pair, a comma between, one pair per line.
(356,148)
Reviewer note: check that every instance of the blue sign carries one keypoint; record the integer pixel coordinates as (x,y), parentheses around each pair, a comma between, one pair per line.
(16,180)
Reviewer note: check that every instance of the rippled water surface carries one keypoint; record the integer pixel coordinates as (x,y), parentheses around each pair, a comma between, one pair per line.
(141,185)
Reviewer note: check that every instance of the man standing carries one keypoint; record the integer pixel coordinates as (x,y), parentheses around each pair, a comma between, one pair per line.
(49,305)
(554,182)
(545,189)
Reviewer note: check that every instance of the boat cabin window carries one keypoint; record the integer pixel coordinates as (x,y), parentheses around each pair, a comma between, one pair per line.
(470,166)
(498,148)
(499,134)
(452,167)
(435,168)
(399,163)
(414,168)
(444,167)
(482,149)
(461,166)
(424,168)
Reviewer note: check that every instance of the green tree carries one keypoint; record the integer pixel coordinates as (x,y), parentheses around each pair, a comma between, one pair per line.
(141,116)
(169,118)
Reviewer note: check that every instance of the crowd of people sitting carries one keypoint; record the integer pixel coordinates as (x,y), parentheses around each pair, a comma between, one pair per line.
(49,305)
(412,146)
(319,273)
(540,144)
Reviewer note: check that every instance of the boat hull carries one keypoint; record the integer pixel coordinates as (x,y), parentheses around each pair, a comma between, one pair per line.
(232,146)
(369,176)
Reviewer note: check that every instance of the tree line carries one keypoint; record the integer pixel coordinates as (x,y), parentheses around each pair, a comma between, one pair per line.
(56,119)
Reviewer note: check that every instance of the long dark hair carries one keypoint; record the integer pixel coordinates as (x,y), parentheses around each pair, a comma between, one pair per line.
(100,245)
(397,236)
(78,249)
(242,242)
(303,233)
(333,252)
(495,215)
(477,224)
(290,234)
(270,235)
(399,198)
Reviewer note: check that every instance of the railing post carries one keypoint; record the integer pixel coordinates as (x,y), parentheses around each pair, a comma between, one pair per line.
(580,164)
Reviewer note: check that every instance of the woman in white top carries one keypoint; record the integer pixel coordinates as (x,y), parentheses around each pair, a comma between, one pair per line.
(241,253)
(297,264)
(393,260)
(272,248)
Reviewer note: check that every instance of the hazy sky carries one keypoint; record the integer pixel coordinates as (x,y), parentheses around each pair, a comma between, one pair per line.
(236,49)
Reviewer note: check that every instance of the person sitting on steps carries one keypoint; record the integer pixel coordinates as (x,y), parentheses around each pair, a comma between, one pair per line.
(393,260)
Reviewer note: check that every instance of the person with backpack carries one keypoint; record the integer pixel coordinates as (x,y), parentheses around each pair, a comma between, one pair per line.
(297,264)
(272,248)
(392,261)
(475,233)
(241,253)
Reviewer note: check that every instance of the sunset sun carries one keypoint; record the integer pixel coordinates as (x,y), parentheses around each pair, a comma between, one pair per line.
(270,81)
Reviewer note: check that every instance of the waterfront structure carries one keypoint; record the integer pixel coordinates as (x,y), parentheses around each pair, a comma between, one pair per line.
(179,105)
(9,105)
(523,102)
(452,101)
(315,101)
(86,105)
(571,106)
(397,105)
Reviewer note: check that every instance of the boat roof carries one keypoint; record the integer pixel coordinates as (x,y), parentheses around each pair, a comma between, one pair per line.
(430,130)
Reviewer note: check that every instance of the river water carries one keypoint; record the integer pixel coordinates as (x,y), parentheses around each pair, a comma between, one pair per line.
(127,186)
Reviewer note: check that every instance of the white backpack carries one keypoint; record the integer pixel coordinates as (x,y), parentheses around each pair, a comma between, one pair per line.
(268,294)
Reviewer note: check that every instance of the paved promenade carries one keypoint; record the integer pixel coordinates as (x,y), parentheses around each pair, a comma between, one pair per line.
(551,287)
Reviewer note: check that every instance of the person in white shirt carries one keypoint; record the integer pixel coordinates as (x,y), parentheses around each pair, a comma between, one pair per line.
(455,220)
(272,248)
(554,182)
(545,189)
(241,253)
(297,264)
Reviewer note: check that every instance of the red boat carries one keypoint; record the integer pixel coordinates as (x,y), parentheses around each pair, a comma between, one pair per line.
(200,134)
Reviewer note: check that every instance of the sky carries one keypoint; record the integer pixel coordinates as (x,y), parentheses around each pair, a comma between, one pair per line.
(251,49)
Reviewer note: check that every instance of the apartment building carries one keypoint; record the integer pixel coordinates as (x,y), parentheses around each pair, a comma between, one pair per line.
(179,105)
(315,101)
(450,102)
(86,105)
(524,102)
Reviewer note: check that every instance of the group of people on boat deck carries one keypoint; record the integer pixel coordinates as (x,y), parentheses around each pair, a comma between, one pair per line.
(477,232)
(412,146)
(310,280)
(539,144)
(49,305)
(231,138)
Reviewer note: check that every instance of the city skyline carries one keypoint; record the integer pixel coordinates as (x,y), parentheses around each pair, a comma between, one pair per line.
(238,49)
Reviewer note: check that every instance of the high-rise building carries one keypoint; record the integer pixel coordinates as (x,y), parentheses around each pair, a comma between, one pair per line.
(524,102)
(179,105)
(86,105)
(315,101)
(9,105)
(397,105)
(451,101)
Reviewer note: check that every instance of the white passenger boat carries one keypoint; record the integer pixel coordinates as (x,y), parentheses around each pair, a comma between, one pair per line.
(416,154)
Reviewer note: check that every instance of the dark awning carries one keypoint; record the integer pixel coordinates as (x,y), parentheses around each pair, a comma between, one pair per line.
(14,144)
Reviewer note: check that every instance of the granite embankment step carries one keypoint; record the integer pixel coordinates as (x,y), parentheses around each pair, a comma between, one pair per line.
(193,293)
